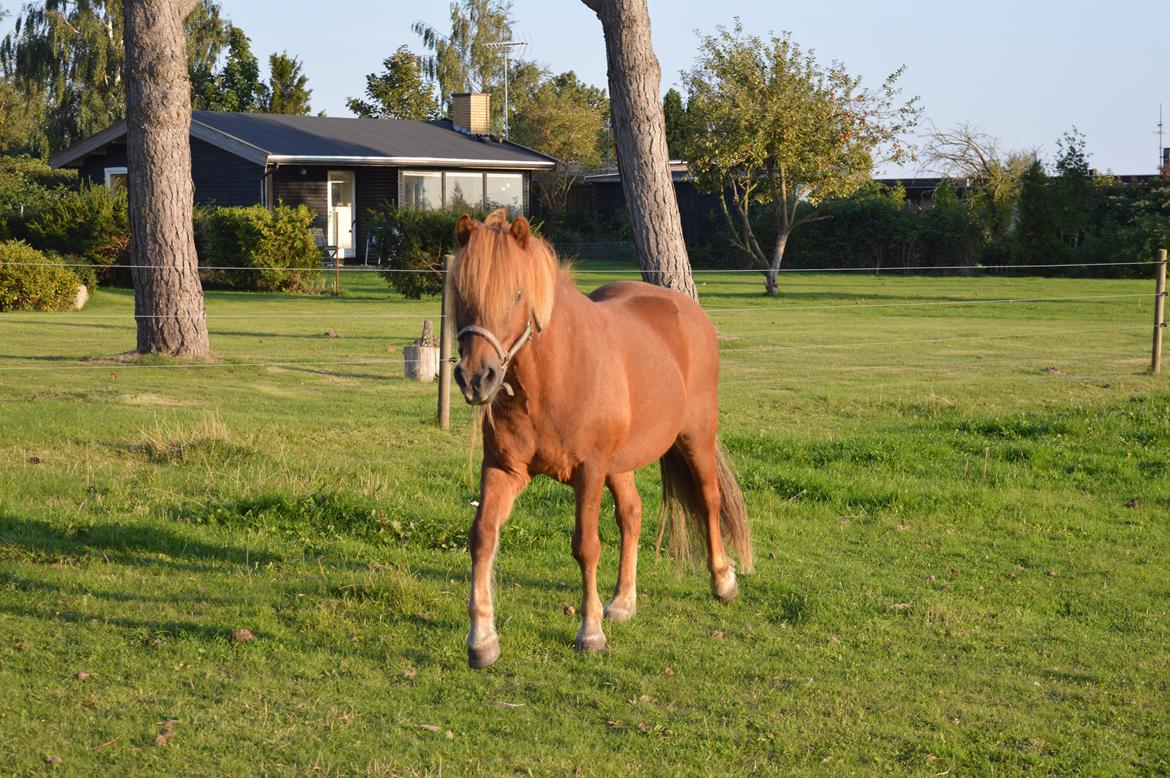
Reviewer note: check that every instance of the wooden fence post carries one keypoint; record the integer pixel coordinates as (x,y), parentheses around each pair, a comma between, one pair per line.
(1159,314)
(445,338)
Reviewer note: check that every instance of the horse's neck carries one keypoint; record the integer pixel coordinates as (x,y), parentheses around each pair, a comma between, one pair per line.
(537,365)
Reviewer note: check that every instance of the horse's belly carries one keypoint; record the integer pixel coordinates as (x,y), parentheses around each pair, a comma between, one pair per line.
(657,411)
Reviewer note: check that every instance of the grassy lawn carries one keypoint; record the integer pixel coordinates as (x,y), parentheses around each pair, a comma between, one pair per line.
(960,509)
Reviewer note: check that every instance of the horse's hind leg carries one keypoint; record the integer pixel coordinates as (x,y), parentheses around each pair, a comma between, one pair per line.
(588,484)
(628,505)
(701,454)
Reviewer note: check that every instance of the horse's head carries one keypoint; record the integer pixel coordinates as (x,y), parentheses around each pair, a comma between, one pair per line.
(501,287)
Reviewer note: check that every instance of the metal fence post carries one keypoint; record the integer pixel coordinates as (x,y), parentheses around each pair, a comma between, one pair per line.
(1159,314)
(445,337)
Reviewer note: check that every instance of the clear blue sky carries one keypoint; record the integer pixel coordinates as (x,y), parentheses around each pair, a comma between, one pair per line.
(1023,71)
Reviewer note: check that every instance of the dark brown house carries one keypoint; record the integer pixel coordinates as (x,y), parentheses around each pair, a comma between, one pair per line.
(340,168)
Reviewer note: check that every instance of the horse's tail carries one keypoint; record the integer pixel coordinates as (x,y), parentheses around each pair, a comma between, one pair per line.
(683,518)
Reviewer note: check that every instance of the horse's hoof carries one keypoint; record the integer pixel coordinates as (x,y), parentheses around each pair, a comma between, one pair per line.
(726,589)
(616,611)
(483,655)
(591,643)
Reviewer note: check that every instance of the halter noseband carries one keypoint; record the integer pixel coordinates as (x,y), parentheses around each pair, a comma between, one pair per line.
(494,342)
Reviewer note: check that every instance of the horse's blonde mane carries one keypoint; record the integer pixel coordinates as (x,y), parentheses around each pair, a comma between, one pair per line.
(493,266)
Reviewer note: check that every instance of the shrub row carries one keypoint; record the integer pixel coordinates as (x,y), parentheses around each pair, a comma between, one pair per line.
(33,281)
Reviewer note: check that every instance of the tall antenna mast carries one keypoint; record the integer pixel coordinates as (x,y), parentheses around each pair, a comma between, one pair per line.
(1161,146)
(507,46)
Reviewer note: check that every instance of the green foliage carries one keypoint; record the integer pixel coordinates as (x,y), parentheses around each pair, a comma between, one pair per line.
(879,229)
(416,240)
(32,281)
(28,185)
(768,125)
(286,91)
(92,223)
(278,242)
(66,57)
(466,59)
(568,120)
(236,86)
(675,115)
(399,92)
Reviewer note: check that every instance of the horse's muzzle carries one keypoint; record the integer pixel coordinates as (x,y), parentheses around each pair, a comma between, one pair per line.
(482,386)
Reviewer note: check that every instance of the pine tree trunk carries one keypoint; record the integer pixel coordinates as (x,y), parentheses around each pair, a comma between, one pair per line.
(640,131)
(168,297)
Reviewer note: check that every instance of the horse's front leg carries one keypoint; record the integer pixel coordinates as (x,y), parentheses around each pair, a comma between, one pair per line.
(498,490)
(588,482)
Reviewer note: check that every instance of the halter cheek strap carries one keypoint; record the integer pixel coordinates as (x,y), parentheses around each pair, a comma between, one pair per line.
(494,342)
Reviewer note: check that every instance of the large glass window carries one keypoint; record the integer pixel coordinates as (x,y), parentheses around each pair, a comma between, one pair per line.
(422,190)
(459,190)
(505,190)
(464,191)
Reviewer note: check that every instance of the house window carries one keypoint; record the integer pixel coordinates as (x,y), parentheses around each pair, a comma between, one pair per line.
(422,190)
(505,190)
(459,190)
(116,178)
(464,191)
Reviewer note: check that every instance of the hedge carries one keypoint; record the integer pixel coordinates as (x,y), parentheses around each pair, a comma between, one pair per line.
(92,223)
(278,243)
(415,240)
(32,281)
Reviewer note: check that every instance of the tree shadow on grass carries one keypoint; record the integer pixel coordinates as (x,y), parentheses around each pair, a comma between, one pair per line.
(136,544)
(152,632)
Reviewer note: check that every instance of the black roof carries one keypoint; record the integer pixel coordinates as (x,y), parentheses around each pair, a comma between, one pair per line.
(275,138)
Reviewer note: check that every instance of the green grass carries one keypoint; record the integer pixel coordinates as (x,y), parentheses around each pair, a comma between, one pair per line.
(960,514)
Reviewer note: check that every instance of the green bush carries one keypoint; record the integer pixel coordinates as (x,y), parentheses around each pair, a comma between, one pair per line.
(92,223)
(31,281)
(277,243)
(27,186)
(414,240)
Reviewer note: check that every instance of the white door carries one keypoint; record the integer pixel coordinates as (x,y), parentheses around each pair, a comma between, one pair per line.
(341,211)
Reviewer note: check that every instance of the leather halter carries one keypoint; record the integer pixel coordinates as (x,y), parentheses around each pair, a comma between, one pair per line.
(494,342)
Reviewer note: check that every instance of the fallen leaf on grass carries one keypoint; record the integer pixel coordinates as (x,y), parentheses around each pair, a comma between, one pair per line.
(165,734)
(1133,504)
(35,461)
(332,334)
(409,672)
(717,634)
(82,675)
(568,610)
(901,606)
(242,636)
(495,704)
(53,759)
(668,671)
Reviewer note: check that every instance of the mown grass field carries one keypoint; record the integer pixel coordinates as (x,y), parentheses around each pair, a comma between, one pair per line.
(960,512)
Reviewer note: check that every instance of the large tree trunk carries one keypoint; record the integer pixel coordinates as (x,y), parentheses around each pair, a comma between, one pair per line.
(168,298)
(640,131)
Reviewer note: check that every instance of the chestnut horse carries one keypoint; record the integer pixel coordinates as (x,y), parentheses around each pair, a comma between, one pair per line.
(586,390)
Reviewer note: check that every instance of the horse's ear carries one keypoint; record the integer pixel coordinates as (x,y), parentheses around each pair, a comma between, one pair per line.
(521,231)
(464,228)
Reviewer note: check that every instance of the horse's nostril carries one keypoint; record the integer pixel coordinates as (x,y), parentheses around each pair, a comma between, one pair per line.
(489,377)
(460,379)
